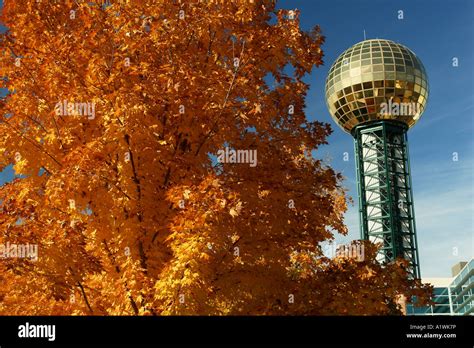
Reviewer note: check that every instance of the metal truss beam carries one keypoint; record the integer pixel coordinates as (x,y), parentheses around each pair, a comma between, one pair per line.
(386,209)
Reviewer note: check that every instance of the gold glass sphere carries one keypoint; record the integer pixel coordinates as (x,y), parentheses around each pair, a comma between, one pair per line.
(376,80)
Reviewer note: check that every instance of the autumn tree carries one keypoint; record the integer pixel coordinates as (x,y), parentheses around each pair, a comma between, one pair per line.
(114,120)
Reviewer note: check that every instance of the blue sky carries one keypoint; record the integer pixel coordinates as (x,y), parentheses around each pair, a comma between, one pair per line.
(437,31)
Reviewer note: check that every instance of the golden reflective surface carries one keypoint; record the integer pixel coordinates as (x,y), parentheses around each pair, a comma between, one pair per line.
(375,80)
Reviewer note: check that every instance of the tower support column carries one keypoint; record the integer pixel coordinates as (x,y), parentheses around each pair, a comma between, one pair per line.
(386,209)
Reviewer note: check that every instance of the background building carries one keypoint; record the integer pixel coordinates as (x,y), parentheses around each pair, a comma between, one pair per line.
(452,296)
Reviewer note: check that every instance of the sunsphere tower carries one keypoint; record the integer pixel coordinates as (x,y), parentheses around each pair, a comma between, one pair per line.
(376,90)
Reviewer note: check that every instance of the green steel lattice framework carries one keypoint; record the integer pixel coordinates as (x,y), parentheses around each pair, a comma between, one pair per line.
(385,195)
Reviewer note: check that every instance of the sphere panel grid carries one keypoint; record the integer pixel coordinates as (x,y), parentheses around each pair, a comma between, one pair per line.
(371,73)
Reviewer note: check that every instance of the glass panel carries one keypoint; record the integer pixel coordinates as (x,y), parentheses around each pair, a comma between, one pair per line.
(356,71)
(355,64)
(356,79)
(378,68)
(378,76)
(367,77)
(346,82)
(400,84)
(367,85)
(366,69)
(378,83)
(401,76)
(369,93)
(399,92)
